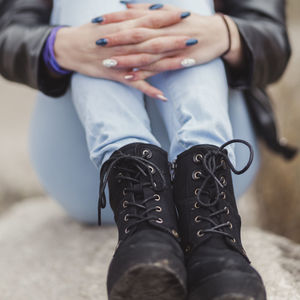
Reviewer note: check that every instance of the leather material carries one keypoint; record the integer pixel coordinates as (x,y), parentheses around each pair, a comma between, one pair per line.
(24,28)
(214,258)
(148,238)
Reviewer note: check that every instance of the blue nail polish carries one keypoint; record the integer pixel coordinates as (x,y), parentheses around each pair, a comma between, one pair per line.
(102,42)
(191,42)
(156,6)
(97,20)
(125,1)
(185,14)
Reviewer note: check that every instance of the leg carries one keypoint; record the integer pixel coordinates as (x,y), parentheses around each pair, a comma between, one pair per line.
(198,124)
(120,142)
(113,115)
(198,108)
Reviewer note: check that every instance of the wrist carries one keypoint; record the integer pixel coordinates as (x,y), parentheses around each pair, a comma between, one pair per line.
(54,67)
(234,57)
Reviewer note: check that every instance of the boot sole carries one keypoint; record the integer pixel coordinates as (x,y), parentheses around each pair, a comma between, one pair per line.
(148,282)
(230,286)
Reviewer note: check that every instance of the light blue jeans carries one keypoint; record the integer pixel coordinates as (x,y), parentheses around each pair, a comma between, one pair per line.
(113,115)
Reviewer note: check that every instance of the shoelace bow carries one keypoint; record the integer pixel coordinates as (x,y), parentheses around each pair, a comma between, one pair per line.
(211,166)
(137,166)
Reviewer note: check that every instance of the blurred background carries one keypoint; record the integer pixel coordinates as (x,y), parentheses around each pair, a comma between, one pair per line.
(275,195)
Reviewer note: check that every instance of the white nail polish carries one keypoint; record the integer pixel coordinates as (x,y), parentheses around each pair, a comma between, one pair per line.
(162,97)
(128,77)
(109,63)
(188,62)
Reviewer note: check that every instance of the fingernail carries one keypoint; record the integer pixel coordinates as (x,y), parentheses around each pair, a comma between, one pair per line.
(191,42)
(185,14)
(102,42)
(109,63)
(188,62)
(128,77)
(156,6)
(135,69)
(125,1)
(97,20)
(162,97)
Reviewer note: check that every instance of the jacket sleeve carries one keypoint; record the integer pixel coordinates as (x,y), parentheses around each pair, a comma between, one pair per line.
(262,26)
(23,32)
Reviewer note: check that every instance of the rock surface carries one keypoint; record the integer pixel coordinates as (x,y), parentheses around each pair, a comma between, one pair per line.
(44,255)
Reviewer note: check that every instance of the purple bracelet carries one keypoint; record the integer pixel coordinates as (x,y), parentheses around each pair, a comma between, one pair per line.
(49,56)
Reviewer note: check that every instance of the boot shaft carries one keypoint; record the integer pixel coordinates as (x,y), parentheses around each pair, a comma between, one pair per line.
(140,190)
(204,196)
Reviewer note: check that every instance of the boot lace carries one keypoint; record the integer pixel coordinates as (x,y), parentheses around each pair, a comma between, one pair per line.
(211,180)
(135,168)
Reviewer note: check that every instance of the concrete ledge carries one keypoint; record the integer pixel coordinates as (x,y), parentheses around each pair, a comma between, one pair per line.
(45,255)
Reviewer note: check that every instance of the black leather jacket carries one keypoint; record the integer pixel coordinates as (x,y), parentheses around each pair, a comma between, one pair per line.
(24,27)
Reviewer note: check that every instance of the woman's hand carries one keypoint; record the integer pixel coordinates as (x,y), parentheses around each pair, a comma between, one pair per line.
(76,49)
(210,32)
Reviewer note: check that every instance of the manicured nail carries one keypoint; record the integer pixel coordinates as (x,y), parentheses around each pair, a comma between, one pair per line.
(98,20)
(191,42)
(102,42)
(135,69)
(162,97)
(109,63)
(156,6)
(125,1)
(185,14)
(188,62)
(128,77)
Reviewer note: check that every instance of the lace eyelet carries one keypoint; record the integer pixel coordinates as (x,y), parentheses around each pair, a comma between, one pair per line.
(223,163)
(223,181)
(196,175)
(126,218)
(125,204)
(226,209)
(159,221)
(158,209)
(233,241)
(151,169)
(198,219)
(127,230)
(200,233)
(197,205)
(229,225)
(223,195)
(119,175)
(197,158)
(156,197)
(124,192)
(154,184)
(147,153)
(175,233)
(197,191)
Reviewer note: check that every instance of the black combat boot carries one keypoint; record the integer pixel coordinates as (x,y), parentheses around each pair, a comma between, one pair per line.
(148,263)
(209,224)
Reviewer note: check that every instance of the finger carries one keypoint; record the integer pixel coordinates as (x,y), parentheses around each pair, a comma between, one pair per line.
(166,44)
(170,63)
(127,37)
(139,75)
(161,19)
(120,16)
(131,61)
(147,89)
(153,6)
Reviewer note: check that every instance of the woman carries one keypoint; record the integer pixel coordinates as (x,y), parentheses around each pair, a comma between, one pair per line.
(240,60)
